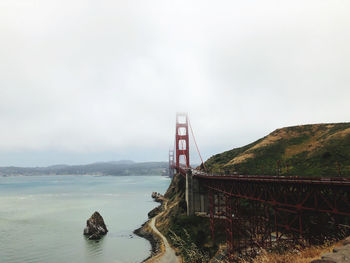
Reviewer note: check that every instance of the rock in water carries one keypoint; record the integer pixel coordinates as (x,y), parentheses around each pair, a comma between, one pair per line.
(95,227)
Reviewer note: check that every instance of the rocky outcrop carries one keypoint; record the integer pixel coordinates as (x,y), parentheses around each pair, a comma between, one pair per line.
(154,211)
(157,197)
(339,255)
(95,227)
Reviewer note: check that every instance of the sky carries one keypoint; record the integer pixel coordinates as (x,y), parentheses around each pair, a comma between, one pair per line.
(86,81)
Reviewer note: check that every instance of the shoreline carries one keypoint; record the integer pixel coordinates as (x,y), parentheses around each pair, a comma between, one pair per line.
(151,238)
(145,232)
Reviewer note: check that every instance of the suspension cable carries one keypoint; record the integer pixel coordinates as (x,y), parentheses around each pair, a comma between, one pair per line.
(195,142)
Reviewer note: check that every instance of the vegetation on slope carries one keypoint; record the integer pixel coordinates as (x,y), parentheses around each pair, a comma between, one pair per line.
(307,150)
(189,234)
(296,255)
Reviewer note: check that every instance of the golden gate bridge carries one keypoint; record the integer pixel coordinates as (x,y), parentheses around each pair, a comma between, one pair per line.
(258,211)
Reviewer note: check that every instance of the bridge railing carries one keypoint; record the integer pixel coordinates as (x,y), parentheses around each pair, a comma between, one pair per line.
(280,179)
(265,178)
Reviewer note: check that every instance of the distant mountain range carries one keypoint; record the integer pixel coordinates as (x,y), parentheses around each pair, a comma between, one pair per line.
(117,168)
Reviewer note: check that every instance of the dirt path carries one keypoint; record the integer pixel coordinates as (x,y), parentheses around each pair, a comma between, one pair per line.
(167,256)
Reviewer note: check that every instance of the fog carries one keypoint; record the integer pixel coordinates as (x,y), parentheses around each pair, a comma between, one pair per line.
(84,81)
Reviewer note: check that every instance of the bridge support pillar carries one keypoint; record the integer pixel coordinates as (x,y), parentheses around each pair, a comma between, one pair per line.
(198,196)
(195,200)
(189,193)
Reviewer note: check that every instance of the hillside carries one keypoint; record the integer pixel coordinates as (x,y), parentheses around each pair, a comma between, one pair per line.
(306,150)
(120,168)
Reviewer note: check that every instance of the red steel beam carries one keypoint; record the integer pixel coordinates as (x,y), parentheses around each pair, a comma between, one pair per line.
(325,199)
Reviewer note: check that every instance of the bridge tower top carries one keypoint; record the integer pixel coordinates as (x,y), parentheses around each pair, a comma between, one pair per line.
(171,163)
(171,157)
(182,139)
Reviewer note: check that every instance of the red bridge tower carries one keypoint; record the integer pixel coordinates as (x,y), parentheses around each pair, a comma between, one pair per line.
(182,142)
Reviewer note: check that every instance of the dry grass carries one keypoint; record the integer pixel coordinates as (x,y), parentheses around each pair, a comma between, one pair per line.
(298,256)
(340,134)
(309,146)
(315,140)
(241,158)
(270,139)
(273,137)
(163,221)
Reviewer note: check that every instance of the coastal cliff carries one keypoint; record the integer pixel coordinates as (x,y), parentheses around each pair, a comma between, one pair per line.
(190,235)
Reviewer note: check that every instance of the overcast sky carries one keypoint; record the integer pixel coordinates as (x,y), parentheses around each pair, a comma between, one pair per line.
(84,81)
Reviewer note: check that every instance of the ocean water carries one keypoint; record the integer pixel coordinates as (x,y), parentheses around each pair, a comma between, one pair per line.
(42,217)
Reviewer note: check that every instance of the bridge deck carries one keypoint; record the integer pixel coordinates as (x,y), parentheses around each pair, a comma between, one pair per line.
(340,181)
(278,179)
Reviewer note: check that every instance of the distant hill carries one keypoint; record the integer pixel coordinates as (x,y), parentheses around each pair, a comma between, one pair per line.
(118,168)
(306,150)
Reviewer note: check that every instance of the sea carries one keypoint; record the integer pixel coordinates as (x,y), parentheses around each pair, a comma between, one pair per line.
(42,218)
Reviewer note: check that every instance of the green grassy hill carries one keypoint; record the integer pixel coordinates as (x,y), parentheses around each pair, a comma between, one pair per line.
(306,150)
